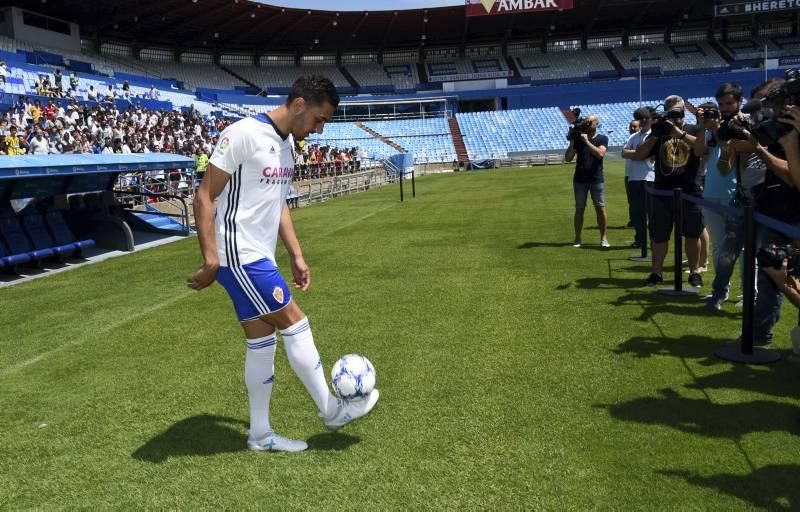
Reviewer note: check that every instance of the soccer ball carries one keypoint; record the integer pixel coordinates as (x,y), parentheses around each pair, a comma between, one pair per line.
(353,376)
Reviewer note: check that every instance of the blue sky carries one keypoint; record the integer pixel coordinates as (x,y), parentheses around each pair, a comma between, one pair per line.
(361,5)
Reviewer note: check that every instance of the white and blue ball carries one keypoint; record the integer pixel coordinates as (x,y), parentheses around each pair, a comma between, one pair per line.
(353,376)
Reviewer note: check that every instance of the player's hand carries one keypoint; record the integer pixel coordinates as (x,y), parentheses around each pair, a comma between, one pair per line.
(301,273)
(204,276)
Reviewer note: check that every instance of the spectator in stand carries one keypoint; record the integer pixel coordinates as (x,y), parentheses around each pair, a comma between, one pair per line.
(73,82)
(91,94)
(40,145)
(57,79)
(3,71)
(12,142)
(153,94)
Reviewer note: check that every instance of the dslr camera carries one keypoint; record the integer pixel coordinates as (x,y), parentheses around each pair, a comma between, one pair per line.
(580,126)
(774,256)
(664,121)
(732,127)
(766,112)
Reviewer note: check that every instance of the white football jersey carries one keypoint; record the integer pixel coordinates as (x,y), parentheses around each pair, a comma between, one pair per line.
(261,165)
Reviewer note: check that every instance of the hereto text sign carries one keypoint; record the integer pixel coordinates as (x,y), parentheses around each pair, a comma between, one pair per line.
(734,8)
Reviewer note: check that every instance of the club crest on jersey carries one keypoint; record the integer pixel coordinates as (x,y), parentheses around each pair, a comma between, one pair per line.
(272,150)
(277,294)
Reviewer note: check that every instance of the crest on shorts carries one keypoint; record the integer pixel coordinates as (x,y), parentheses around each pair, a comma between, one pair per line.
(277,294)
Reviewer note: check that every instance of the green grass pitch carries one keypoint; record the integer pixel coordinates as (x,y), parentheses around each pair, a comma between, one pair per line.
(516,372)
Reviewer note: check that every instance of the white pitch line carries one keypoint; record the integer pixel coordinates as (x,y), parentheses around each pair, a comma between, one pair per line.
(146,311)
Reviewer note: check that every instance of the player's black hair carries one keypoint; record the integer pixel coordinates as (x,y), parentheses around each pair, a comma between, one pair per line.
(315,89)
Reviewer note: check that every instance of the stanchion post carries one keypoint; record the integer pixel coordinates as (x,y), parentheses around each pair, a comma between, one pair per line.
(400,174)
(677,240)
(749,279)
(744,352)
(678,291)
(644,241)
(413,186)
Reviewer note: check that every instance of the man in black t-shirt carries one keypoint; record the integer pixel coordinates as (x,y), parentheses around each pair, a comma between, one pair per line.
(591,149)
(677,156)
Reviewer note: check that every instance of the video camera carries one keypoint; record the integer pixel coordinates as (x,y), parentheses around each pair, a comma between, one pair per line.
(766,112)
(580,126)
(774,256)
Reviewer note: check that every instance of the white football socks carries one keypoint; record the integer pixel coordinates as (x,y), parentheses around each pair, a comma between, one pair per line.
(259,373)
(306,363)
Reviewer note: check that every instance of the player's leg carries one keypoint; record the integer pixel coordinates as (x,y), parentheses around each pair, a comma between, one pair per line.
(581,195)
(303,356)
(259,367)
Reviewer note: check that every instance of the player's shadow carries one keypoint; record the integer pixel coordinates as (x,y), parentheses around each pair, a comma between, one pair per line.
(198,435)
(211,435)
(701,417)
(695,347)
(772,487)
(332,441)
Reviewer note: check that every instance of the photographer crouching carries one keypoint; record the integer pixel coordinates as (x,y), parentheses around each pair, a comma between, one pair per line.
(588,178)
(677,154)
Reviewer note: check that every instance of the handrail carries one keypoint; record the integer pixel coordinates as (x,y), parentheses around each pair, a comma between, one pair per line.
(147,193)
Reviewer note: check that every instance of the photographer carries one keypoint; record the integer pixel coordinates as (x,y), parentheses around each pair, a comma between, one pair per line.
(767,180)
(677,155)
(591,149)
(788,283)
(640,173)
(720,188)
(791,141)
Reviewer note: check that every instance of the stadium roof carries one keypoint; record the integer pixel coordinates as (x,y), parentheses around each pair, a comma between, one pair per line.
(260,28)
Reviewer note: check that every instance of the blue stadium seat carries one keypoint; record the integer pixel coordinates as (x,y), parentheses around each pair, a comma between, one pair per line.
(18,243)
(61,233)
(33,222)
(11,260)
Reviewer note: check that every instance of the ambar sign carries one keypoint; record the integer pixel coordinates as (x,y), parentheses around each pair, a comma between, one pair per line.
(490,7)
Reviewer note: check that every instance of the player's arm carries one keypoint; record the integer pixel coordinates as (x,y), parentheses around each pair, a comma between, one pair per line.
(213,184)
(300,271)
(643,151)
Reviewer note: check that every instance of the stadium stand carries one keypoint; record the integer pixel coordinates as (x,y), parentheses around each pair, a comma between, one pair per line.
(428,140)
(671,59)
(549,66)
(489,135)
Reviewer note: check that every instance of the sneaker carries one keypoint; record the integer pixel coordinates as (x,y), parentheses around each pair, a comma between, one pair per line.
(654,279)
(272,442)
(576,243)
(714,303)
(350,410)
(696,280)
(604,243)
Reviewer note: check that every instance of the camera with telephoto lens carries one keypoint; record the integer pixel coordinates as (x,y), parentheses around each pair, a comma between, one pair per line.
(664,121)
(732,127)
(765,113)
(580,126)
(711,113)
(774,256)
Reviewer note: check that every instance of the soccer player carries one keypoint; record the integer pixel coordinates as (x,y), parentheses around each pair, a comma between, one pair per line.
(249,175)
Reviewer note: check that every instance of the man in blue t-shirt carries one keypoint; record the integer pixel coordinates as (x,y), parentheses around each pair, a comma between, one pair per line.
(591,149)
